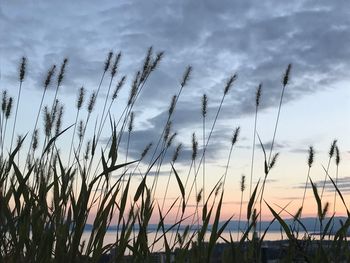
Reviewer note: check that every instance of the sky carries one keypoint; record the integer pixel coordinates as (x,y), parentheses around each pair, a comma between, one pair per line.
(254,39)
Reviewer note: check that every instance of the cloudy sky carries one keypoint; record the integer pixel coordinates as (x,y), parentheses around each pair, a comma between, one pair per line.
(256,40)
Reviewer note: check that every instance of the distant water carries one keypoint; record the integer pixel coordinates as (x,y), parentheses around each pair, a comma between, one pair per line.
(110,237)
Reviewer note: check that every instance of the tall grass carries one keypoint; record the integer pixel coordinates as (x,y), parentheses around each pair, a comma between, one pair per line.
(46,202)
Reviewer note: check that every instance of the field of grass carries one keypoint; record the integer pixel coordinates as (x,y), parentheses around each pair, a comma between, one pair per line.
(46,200)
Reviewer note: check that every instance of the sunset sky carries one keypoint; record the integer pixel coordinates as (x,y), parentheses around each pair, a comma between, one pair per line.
(255,39)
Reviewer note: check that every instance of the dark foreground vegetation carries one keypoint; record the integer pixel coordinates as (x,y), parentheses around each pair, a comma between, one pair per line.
(48,193)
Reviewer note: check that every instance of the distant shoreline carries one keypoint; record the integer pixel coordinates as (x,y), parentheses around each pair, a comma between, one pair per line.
(311,224)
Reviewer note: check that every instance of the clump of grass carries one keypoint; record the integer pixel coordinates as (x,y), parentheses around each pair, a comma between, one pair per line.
(45,203)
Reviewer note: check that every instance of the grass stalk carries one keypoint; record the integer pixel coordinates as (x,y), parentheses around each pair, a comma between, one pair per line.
(22,72)
(337,161)
(242,188)
(204,114)
(257,103)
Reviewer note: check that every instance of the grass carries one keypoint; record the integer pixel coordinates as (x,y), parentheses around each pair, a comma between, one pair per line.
(45,202)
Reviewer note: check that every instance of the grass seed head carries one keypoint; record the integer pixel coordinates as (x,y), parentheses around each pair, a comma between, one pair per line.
(22,69)
(242,183)
(199,196)
(337,155)
(171,139)
(35,140)
(145,151)
(235,136)
(177,152)
(47,121)
(49,76)
(62,71)
(108,61)
(172,105)
(258,95)
(156,61)
(332,148)
(286,76)
(167,131)
(115,64)
(310,160)
(120,84)
(19,139)
(147,60)
(9,107)
(131,122)
(87,150)
(146,68)
(92,102)
(80,130)
(194,146)
(4,101)
(273,160)
(59,120)
(204,105)
(134,88)
(186,76)
(80,99)
(229,83)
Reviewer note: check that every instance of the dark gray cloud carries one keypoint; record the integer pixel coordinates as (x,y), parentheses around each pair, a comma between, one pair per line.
(277,146)
(343,185)
(140,137)
(256,40)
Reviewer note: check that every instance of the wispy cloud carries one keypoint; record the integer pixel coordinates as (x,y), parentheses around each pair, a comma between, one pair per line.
(343,185)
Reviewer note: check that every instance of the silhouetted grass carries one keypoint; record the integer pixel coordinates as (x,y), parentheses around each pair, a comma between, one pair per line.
(45,202)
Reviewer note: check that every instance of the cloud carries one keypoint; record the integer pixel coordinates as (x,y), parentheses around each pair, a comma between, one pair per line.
(343,185)
(256,40)
(276,146)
